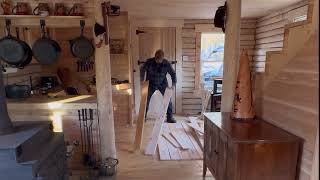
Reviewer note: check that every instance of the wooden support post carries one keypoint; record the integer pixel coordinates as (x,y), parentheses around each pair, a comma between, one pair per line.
(104,91)
(315,164)
(231,54)
(179,70)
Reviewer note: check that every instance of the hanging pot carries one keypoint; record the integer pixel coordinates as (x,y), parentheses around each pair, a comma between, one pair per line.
(12,50)
(27,48)
(109,167)
(45,50)
(17,91)
(81,47)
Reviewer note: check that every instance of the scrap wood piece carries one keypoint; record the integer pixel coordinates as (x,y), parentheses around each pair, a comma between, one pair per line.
(205,102)
(180,139)
(163,150)
(141,117)
(166,134)
(171,140)
(195,127)
(183,153)
(195,150)
(193,123)
(174,152)
(194,155)
(195,138)
(152,145)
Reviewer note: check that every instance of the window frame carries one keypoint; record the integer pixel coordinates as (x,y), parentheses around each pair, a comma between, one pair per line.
(199,29)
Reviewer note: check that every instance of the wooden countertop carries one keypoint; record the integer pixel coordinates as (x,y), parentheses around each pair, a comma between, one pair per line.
(257,131)
(63,102)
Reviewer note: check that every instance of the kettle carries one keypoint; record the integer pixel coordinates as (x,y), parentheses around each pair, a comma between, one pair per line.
(109,167)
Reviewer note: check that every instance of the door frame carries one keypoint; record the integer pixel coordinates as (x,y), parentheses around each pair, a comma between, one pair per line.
(135,23)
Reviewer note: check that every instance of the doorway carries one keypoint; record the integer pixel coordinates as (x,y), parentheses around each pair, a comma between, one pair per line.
(150,39)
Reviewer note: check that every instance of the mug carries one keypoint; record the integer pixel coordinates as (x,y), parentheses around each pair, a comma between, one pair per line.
(60,9)
(42,9)
(76,10)
(6,6)
(21,9)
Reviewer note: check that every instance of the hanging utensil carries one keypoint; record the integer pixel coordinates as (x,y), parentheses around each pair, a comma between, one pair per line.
(45,50)
(12,50)
(81,47)
(28,49)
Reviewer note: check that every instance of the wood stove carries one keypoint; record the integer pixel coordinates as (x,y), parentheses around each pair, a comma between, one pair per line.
(29,150)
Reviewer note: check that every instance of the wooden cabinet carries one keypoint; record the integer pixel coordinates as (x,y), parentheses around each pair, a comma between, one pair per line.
(236,150)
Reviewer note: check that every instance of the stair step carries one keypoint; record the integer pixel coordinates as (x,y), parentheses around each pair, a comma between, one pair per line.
(299,121)
(306,63)
(313,111)
(295,94)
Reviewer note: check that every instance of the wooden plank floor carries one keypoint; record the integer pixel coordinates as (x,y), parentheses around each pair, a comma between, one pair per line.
(137,166)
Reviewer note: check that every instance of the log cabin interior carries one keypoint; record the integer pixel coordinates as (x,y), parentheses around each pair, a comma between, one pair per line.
(69,112)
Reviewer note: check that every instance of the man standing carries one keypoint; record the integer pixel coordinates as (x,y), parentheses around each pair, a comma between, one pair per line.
(157,69)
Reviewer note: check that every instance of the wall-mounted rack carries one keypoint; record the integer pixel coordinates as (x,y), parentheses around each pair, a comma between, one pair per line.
(51,21)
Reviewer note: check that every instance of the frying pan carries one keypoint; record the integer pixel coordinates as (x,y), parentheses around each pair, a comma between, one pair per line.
(81,47)
(45,50)
(27,48)
(12,50)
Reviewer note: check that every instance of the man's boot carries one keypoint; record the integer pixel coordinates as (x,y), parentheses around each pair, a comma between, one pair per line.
(171,120)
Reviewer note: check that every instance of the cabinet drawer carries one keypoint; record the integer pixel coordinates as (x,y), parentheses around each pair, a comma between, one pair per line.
(211,145)
(222,157)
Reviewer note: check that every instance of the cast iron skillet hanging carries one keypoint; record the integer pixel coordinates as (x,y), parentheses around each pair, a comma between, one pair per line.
(12,50)
(27,48)
(45,50)
(81,47)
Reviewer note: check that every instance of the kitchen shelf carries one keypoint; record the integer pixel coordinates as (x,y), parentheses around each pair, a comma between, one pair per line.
(51,21)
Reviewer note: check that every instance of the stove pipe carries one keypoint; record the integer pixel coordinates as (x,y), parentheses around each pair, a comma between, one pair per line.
(5,123)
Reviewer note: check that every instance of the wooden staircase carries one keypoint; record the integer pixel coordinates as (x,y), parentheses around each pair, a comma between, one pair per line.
(289,97)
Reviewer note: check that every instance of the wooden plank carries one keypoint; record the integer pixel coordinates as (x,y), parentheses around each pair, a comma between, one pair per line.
(247,31)
(271,20)
(270,27)
(270,45)
(195,127)
(183,153)
(151,147)
(163,150)
(141,118)
(179,138)
(273,32)
(166,134)
(173,151)
(193,140)
(270,39)
(194,154)
(171,140)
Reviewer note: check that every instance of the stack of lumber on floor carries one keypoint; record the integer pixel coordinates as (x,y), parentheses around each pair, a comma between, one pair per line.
(181,141)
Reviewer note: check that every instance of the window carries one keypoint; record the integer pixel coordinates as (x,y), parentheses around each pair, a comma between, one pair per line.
(211,57)
(300,18)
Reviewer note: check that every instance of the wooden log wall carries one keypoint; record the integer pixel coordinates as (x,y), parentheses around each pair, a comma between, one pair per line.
(270,32)
(120,69)
(191,104)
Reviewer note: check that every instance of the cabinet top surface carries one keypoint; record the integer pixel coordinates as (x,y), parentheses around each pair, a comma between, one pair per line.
(255,131)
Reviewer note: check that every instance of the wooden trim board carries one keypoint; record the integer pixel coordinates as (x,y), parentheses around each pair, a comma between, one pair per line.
(152,145)
(141,117)
(171,140)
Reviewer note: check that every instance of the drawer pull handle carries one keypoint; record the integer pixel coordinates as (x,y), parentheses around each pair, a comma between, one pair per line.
(216,152)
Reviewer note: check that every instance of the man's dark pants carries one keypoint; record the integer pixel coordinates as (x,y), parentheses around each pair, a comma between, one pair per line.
(162,90)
